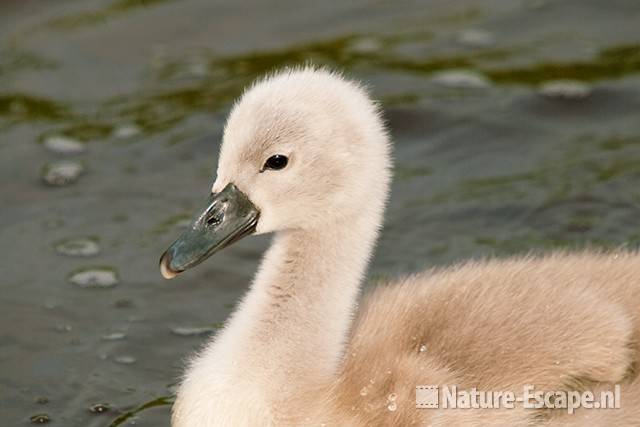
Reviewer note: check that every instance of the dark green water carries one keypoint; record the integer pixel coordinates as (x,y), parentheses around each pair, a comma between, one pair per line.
(487,163)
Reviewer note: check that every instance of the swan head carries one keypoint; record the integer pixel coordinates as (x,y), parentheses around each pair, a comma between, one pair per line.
(303,149)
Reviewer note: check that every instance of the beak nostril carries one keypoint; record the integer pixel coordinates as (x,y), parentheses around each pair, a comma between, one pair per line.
(215,219)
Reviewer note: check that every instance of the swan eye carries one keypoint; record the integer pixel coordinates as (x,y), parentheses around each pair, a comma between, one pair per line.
(276,162)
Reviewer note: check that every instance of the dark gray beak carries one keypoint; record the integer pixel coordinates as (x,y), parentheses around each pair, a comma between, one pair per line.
(228,217)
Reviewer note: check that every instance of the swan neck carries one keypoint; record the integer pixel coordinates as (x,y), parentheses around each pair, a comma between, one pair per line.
(298,313)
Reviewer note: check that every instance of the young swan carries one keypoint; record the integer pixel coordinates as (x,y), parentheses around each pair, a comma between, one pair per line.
(305,156)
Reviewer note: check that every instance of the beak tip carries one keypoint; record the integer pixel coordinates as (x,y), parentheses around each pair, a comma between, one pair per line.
(165,270)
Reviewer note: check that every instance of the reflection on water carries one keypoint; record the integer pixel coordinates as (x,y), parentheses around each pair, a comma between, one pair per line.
(514,127)
(98,15)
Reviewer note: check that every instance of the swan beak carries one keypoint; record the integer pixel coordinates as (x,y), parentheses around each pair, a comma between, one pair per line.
(228,217)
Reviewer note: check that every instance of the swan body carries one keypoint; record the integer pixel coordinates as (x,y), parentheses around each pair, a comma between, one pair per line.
(296,352)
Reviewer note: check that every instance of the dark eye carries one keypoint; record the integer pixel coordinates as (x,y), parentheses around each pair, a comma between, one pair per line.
(276,162)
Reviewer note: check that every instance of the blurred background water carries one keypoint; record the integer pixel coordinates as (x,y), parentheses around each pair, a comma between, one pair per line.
(516,128)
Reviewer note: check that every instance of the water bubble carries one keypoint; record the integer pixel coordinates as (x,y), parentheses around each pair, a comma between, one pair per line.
(392,406)
(392,397)
(63,145)
(99,408)
(461,79)
(64,328)
(40,419)
(81,247)
(96,277)
(114,336)
(191,331)
(365,45)
(126,131)
(475,38)
(565,89)
(364,391)
(60,174)
(126,360)
(423,348)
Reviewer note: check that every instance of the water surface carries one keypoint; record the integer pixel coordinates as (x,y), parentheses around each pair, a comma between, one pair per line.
(487,163)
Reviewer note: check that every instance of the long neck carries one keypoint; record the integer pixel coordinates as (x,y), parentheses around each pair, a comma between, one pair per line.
(290,329)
